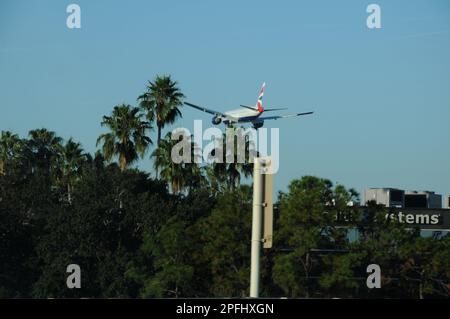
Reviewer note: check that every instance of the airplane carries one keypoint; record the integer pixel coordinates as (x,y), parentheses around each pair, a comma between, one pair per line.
(245,114)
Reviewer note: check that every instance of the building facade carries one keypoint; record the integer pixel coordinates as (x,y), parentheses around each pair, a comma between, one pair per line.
(447,202)
(398,198)
(389,197)
(425,199)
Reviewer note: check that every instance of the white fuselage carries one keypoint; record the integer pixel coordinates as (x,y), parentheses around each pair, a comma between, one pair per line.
(241,115)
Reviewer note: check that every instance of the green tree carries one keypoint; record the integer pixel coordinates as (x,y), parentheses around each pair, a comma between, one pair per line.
(26,197)
(425,266)
(98,233)
(44,148)
(379,242)
(225,237)
(161,102)
(72,160)
(17,271)
(171,251)
(307,224)
(10,148)
(231,171)
(127,137)
(179,175)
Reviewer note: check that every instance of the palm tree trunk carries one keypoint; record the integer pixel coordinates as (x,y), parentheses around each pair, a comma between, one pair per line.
(175,186)
(159,133)
(307,275)
(158,142)
(122,158)
(420,290)
(122,162)
(69,197)
(421,285)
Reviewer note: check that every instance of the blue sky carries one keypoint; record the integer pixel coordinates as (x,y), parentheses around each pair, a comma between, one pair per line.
(381,97)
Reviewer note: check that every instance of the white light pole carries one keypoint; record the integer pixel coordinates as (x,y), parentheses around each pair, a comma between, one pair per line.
(256,226)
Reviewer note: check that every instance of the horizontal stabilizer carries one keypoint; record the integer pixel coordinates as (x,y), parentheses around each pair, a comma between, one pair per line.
(277,109)
(265,110)
(249,107)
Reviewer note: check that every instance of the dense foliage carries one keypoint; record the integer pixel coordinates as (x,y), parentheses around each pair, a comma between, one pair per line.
(187,232)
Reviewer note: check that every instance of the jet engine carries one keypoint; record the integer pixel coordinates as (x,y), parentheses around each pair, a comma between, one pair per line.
(258,124)
(216,120)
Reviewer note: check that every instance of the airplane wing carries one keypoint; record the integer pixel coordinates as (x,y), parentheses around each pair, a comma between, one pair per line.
(204,109)
(276,117)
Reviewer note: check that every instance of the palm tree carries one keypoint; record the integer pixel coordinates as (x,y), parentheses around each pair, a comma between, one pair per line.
(73,159)
(10,147)
(127,138)
(161,102)
(43,150)
(231,173)
(193,172)
(179,175)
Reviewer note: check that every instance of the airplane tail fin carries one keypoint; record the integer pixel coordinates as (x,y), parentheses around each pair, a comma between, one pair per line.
(259,104)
